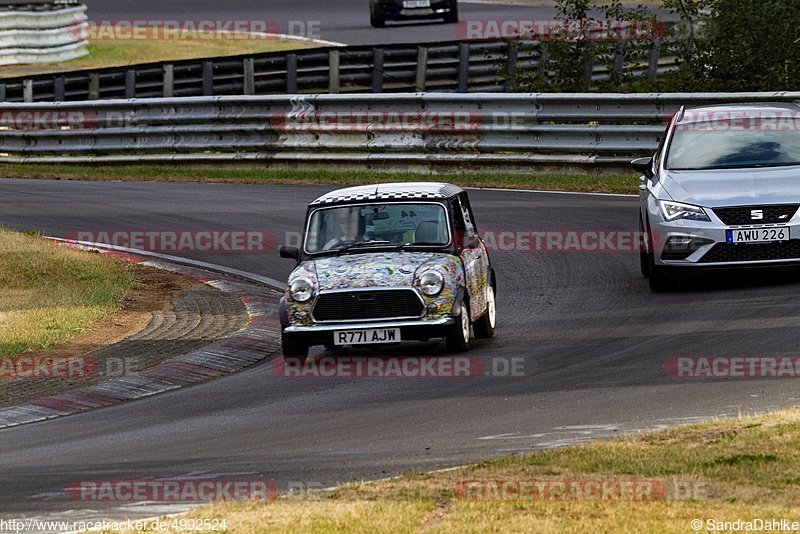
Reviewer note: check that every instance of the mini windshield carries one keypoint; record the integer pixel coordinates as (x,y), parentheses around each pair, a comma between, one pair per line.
(377,225)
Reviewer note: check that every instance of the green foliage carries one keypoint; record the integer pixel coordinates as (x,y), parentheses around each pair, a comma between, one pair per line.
(738,45)
(720,45)
(608,36)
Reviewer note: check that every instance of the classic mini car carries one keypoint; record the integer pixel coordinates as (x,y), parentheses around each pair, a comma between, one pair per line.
(382,10)
(382,264)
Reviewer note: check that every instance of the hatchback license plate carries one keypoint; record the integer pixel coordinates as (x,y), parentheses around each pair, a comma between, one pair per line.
(758,235)
(366,337)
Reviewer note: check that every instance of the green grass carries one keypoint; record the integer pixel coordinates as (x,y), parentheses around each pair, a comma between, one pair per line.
(554,181)
(49,293)
(111,53)
(746,467)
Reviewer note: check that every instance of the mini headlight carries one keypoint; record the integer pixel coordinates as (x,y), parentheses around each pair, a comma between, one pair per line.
(301,290)
(431,283)
(678,210)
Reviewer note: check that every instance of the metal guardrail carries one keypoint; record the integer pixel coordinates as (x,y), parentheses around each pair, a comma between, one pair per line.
(42,33)
(415,131)
(453,66)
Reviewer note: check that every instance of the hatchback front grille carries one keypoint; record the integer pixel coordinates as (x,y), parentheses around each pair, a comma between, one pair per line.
(728,252)
(742,215)
(368,304)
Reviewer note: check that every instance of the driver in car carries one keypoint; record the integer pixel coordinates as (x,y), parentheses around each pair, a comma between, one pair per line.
(345,226)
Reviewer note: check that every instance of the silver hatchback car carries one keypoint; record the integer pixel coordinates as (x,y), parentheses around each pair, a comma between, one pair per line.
(722,191)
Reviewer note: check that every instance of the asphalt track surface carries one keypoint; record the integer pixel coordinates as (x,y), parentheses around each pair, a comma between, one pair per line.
(342,21)
(593,339)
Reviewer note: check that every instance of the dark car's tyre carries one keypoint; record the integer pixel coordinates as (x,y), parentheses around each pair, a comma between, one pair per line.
(293,348)
(452,16)
(376,17)
(458,338)
(484,327)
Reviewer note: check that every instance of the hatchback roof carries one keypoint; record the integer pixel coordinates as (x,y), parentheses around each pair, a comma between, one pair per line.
(717,112)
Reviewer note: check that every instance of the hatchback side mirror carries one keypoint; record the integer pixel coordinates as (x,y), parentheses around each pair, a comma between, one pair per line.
(289,252)
(644,166)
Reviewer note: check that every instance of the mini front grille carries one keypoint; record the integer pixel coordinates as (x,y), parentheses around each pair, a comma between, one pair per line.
(366,305)
(727,252)
(742,215)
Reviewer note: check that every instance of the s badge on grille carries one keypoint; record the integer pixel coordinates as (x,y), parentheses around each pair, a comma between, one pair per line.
(756,215)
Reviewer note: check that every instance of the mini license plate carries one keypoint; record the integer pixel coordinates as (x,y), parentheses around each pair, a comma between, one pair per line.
(366,337)
(758,235)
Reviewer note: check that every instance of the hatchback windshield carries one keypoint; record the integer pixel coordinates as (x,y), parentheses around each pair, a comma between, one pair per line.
(713,145)
(376,225)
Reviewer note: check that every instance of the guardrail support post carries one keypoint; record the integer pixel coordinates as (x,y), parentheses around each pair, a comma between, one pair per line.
(130,83)
(463,67)
(291,74)
(511,68)
(377,70)
(169,80)
(619,62)
(248,66)
(652,65)
(27,90)
(333,63)
(60,89)
(422,68)
(544,59)
(208,78)
(588,66)
(94,86)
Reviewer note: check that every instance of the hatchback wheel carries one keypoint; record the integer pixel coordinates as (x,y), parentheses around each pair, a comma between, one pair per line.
(660,282)
(645,245)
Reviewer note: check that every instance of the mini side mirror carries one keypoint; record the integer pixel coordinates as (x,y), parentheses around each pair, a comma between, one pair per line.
(644,166)
(289,252)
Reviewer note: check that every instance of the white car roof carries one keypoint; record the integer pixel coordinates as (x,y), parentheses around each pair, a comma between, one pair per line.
(392,191)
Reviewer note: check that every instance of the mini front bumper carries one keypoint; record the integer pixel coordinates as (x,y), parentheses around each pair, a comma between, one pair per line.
(419,329)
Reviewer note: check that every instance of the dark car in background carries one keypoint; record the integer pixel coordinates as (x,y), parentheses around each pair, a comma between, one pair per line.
(382,10)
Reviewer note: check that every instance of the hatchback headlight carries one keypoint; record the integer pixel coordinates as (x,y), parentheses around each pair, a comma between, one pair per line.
(431,283)
(301,290)
(673,211)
